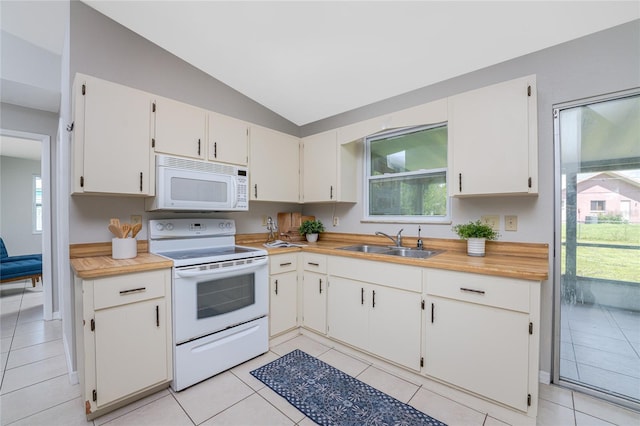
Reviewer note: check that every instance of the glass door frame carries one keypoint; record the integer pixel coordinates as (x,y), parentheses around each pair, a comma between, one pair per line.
(557,248)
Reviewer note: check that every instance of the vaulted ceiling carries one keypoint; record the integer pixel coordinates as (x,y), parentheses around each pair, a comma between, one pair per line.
(307,60)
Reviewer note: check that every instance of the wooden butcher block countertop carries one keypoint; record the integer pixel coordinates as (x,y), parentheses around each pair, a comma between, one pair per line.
(527,261)
(94,261)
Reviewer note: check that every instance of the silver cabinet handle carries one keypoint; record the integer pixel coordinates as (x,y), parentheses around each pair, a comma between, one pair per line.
(285,264)
(313,264)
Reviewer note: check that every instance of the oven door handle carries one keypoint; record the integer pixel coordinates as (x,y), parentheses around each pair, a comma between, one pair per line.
(199,273)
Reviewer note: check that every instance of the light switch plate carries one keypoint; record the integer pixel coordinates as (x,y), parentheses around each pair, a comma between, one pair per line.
(511,223)
(136,218)
(492,220)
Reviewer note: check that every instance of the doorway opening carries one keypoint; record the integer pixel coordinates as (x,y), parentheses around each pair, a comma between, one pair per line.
(597,262)
(31,147)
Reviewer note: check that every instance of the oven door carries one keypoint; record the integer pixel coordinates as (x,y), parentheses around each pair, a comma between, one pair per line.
(210,298)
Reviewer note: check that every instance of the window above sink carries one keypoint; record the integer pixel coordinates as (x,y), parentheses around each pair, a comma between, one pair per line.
(406,175)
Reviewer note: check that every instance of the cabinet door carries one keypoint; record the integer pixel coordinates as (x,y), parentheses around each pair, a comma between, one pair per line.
(228,139)
(180,129)
(131,348)
(112,138)
(491,140)
(320,167)
(394,325)
(283,313)
(348,311)
(274,165)
(314,301)
(480,348)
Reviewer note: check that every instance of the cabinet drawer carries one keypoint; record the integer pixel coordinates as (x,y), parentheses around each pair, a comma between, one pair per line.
(283,263)
(129,288)
(501,292)
(314,262)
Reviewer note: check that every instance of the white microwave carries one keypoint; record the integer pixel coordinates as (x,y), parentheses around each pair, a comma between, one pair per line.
(191,185)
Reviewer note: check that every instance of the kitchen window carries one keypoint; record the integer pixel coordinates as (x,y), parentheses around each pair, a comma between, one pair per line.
(406,175)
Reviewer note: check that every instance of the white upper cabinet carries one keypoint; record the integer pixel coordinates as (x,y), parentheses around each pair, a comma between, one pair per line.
(319,171)
(228,139)
(111,138)
(274,164)
(493,140)
(180,129)
(329,169)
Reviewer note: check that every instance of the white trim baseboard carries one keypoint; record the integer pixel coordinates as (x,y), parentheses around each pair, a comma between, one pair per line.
(544,377)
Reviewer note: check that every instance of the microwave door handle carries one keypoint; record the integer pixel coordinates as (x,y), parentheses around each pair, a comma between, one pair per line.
(197,273)
(235,193)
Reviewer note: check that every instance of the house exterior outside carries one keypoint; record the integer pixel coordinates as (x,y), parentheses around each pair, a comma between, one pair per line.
(605,197)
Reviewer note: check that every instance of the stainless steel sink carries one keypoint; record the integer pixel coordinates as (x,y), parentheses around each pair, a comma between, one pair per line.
(393,251)
(363,248)
(416,253)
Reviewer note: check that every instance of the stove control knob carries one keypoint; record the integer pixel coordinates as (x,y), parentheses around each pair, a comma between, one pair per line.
(169,226)
(221,225)
(228,225)
(159,226)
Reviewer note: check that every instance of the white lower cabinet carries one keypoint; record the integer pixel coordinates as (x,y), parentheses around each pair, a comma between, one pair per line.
(376,306)
(283,293)
(479,335)
(124,337)
(314,292)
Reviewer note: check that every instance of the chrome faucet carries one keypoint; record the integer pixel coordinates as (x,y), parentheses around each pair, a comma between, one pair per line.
(397,241)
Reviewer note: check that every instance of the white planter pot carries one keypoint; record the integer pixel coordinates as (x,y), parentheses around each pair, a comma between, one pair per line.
(312,238)
(475,246)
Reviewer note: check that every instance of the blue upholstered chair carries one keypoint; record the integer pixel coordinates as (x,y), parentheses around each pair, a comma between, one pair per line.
(16,268)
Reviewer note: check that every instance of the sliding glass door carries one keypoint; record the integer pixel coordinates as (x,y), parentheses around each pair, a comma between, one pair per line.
(597,342)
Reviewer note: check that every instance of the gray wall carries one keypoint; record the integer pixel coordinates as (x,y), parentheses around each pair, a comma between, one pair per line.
(598,64)
(103,48)
(16,189)
(601,63)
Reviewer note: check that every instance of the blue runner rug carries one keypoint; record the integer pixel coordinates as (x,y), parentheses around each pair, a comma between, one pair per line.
(330,397)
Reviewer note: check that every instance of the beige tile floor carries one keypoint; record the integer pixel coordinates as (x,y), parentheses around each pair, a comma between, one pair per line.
(35,387)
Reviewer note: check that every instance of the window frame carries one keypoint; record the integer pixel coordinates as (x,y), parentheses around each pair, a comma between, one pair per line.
(35,205)
(390,133)
(597,204)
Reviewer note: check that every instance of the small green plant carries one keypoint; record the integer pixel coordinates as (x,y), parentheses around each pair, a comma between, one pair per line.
(311,227)
(475,229)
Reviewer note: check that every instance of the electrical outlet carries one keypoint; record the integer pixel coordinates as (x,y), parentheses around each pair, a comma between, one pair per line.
(264,221)
(492,220)
(336,221)
(511,223)
(136,218)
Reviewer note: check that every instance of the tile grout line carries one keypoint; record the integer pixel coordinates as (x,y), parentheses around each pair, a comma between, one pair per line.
(4,370)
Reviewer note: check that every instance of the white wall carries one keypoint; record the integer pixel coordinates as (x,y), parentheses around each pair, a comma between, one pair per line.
(16,189)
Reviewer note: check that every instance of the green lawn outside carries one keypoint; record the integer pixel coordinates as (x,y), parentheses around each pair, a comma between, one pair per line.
(607,263)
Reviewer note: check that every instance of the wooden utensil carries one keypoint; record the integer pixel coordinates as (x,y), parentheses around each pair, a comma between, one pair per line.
(115,230)
(135,229)
(125,229)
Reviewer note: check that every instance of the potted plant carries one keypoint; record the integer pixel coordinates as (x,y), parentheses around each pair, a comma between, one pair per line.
(311,229)
(476,233)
